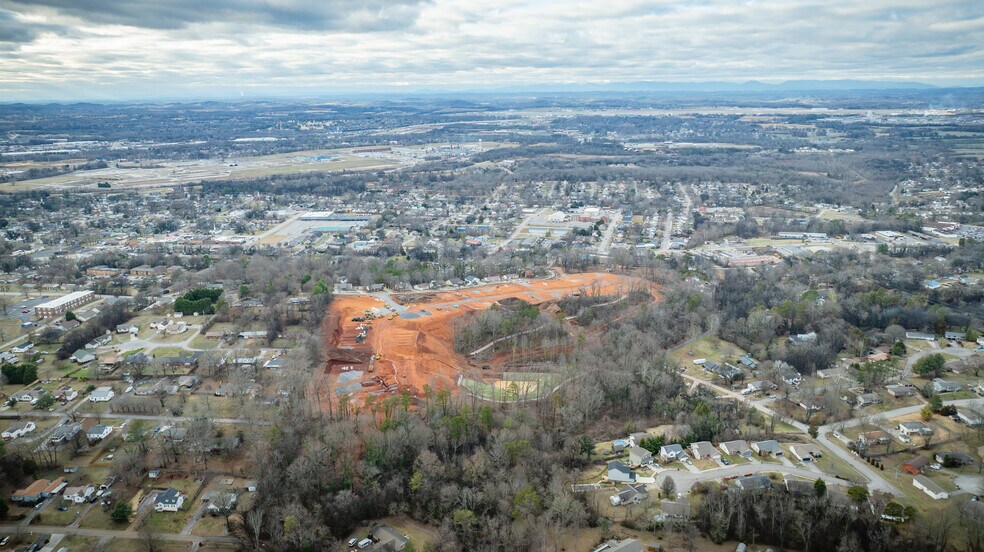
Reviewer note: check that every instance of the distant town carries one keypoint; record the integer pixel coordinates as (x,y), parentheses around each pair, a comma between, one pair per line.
(582,322)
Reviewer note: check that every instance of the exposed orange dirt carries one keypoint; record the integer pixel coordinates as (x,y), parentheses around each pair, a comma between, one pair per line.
(416,346)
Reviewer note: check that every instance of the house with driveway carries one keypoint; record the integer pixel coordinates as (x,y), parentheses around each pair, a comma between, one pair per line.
(669,453)
(102,394)
(98,432)
(806,453)
(168,501)
(768,448)
(915,465)
(704,449)
(631,494)
(927,486)
(736,448)
(943,386)
(19,429)
(753,482)
(620,473)
(914,428)
(639,456)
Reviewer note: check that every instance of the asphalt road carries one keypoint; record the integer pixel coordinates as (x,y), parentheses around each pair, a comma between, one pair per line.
(54,529)
(875,479)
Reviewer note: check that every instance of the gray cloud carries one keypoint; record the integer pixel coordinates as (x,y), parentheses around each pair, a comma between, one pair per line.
(211,47)
(308,15)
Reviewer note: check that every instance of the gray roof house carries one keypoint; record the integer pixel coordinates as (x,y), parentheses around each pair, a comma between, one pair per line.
(631,494)
(669,453)
(639,456)
(620,473)
(943,386)
(704,449)
(767,448)
(753,482)
(736,448)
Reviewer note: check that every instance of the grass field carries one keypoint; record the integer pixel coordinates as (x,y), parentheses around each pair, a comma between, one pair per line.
(710,348)
(514,386)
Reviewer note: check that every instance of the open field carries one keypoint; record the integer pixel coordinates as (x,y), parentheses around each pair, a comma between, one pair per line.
(175,173)
(415,347)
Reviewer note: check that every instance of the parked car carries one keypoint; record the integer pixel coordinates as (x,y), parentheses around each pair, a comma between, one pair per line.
(353,542)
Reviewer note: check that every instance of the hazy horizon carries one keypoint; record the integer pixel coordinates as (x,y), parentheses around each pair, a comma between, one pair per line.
(90,50)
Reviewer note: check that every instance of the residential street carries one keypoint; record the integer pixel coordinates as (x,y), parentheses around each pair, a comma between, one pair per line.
(875,480)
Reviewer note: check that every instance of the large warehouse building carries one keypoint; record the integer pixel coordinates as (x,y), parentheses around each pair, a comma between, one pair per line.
(60,305)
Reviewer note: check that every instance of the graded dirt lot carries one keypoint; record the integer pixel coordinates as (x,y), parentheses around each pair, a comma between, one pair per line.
(410,341)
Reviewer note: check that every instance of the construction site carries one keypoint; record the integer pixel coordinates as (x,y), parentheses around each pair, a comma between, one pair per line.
(385,343)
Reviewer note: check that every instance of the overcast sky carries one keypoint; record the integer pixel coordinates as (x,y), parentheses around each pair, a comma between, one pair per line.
(133,49)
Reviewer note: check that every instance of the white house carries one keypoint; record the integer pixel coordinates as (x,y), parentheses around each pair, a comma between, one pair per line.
(98,432)
(915,428)
(102,394)
(927,486)
(168,501)
(669,453)
(19,430)
(78,495)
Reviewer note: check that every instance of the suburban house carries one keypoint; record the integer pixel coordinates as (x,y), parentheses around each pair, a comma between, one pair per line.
(635,439)
(620,473)
(753,387)
(875,437)
(669,453)
(19,430)
(127,328)
(704,449)
(219,502)
(953,459)
(915,465)
(99,341)
(669,509)
(927,486)
(868,399)
(736,448)
(943,386)
(65,432)
(915,428)
(799,487)
(748,362)
(388,538)
(168,501)
(82,356)
(102,394)
(65,393)
(30,396)
(806,453)
(803,339)
(968,417)
(39,490)
(767,448)
(830,373)
(98,432)
(900,391)
(631,494)
(78,495)
(639,456)
(173,434)
(753,482)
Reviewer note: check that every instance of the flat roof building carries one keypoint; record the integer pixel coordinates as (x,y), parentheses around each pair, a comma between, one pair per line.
(60,305)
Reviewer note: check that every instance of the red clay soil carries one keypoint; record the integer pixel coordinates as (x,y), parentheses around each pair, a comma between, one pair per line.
(412,352)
